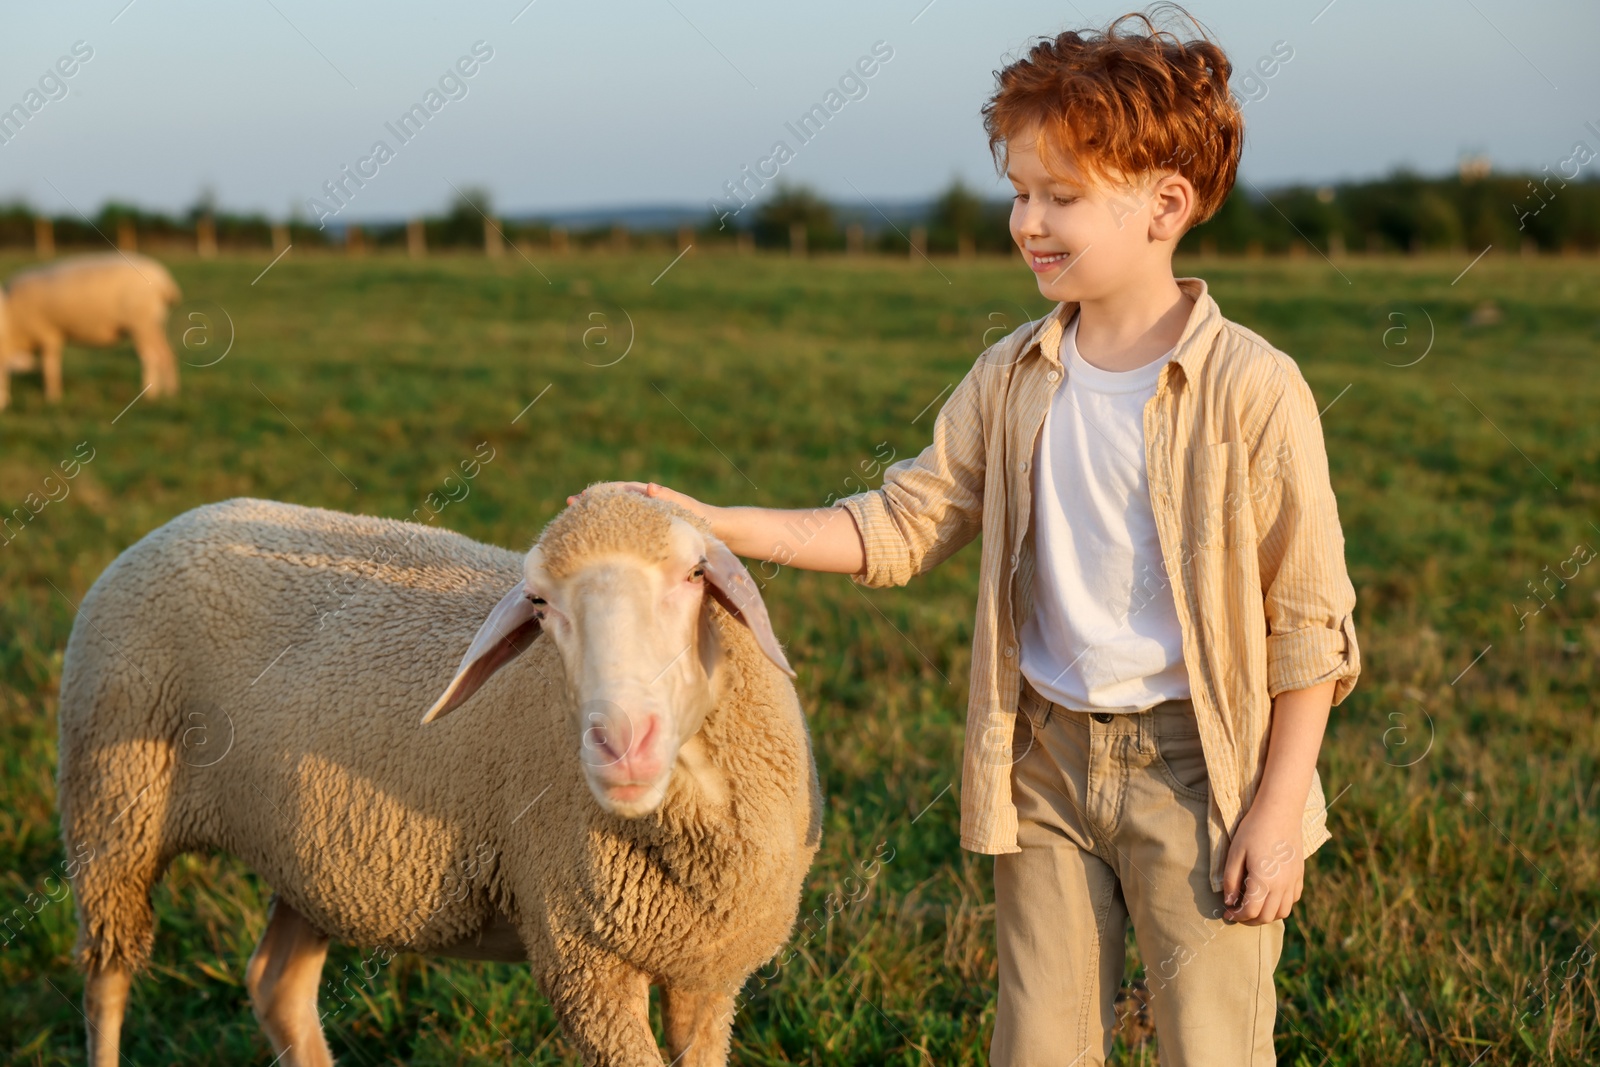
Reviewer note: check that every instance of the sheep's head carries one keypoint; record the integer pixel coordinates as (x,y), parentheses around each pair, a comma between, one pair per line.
(621,582)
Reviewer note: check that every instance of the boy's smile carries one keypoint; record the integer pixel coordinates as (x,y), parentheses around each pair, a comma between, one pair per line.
(1043,263)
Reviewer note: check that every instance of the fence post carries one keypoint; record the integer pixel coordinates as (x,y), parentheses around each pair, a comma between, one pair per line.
(127,236)
(44,238)
(919,242)
(205,237)
(416,238)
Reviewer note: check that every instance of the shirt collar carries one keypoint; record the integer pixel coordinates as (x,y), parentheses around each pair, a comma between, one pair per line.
(1205,318)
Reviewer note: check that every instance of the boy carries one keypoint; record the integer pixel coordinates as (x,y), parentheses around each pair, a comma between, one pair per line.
(1163,594)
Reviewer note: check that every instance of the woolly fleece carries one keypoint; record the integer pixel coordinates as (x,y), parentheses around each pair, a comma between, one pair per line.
(611,519)
(249,676)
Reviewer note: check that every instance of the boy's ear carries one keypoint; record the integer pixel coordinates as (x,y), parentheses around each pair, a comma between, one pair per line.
(1173,200)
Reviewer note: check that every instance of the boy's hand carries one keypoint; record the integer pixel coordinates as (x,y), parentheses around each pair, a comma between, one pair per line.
(830,543)
(1265,871)
(658,492)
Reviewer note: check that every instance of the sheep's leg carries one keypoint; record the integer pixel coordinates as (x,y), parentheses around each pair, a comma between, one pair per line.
(158,366)
(50,364)
(105,996)
(171,366)
(698,1024)
(282,976)
(603,1005)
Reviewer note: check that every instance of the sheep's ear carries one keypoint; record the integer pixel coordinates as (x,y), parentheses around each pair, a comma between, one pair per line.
(510,628)
(735,590)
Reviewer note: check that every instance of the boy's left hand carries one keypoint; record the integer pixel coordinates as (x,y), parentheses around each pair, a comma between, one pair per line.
(1265,871)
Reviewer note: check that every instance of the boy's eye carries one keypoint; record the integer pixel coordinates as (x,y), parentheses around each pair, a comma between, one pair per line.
(1023,197)
(1065,200)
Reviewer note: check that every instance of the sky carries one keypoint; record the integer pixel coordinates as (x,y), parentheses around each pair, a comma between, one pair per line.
(624,103)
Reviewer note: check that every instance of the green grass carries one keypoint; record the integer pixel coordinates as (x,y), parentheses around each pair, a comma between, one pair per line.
(1453,915)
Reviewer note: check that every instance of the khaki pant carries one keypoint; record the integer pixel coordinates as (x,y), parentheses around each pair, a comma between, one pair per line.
(1112,825)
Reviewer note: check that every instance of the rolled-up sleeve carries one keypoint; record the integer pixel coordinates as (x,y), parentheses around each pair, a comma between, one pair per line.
(931,505)
(1309,600)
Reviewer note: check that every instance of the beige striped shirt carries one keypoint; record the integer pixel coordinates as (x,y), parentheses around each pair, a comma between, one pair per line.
(1249,530)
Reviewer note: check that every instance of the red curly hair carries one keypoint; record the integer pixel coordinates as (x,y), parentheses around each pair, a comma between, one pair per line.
(1123,105)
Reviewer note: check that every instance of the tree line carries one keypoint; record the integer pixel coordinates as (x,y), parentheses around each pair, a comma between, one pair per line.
(1401,212)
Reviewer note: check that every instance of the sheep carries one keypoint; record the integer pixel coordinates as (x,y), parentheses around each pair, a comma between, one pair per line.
(616,783)
(94,300)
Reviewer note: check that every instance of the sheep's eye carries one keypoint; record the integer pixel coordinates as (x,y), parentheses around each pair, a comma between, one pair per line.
(697,574)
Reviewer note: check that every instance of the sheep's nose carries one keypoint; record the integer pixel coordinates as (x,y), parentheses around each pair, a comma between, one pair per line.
(622,745)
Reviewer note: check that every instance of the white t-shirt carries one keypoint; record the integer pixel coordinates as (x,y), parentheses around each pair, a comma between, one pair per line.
(1104,632)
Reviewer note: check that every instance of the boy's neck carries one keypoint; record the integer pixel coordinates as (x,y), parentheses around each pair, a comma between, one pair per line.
(1133,326)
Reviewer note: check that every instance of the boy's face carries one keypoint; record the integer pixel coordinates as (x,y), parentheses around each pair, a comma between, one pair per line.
(1087,240)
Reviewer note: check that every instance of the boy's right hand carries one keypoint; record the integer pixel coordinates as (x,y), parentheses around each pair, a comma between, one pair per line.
(658,492)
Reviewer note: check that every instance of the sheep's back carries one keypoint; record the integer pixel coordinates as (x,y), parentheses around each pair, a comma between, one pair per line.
(91,298)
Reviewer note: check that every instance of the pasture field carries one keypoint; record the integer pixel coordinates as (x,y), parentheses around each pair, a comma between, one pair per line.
(1451,920)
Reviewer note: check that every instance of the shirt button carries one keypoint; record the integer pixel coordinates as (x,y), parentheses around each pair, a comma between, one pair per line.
(1010,651)
(1052,376)
(1013,559)
(1023,466)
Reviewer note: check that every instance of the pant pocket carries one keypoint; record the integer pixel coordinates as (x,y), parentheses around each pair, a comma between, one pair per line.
(1034,708)
(1181,759)
(1024,736)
